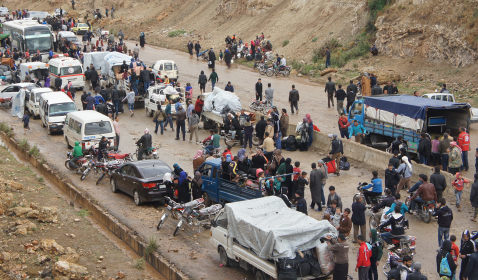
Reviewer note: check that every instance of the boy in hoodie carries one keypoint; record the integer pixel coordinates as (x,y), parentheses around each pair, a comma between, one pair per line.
(376,186)
(77,154)
(445,252)
(377,252)
(363,258)
(397,221)
(301,204)
(459,184)
(445,217)
(392,178)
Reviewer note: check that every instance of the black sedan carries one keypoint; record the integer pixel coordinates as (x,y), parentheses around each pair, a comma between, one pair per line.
(143,180)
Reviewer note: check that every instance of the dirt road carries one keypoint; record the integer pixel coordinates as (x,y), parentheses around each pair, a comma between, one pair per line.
(191,251)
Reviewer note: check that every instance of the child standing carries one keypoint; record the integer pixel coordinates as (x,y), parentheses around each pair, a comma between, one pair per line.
(337,217)
(221,55)
(459,185)
(302,182)
(295,178)
(26,123)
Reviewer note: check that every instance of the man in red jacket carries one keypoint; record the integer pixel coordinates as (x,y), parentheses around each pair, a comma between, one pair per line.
(363,258)
(344,126)
(198,106)
(464,144)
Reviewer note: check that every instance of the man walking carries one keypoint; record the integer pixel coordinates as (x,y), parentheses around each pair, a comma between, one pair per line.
(193,125)
(358,218)
(269,94)
(445,217)
(363,259)
(464,144)
(439,181)
(197,47)
(315,184)
(330,90)
(340,95)
(294,100)
(130,98)
(117,131)
(214,78)
(340,249)
(181,122)
(259,90)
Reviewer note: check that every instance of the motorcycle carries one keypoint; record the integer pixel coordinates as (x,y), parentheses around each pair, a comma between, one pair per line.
(174,209)
(6,102)
(197,218)
(422,210)
(82,163)
(404,244)
(279,70)
(373,199)
(261,106)
(150,153)
(107,168)
(232,139)
(217,151)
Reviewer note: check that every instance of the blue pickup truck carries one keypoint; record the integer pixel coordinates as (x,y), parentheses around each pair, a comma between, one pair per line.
(385,117)
(218,190)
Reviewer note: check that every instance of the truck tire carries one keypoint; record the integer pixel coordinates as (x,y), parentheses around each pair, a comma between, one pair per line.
(260,275)
(207,199)
(225,260)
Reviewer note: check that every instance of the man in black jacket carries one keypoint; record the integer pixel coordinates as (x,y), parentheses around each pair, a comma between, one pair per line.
(445,217)
(58,83)
(115,97)
(197,47)
(87,78)
(260,129)
(388,88)
(301,204)
(294,100)
(330,90)
(340,95)
(145,75)
(386,202)
(395,160)
(352,87)
(471,272)
(259,90)
(392,178)
(83,99)
(424,148)
(94,78)
(416,275)
(237,127)
(134,82)
(377,90)
(336,152)
(439,181)
(350,97)
(146,142)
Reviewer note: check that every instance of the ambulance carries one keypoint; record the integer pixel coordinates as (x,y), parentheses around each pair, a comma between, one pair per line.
(68,69)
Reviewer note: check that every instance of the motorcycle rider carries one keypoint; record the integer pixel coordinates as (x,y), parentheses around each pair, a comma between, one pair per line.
(146,142)
(386,202)
(77,154)
(376,186)
(212,140)
(103,147)
(237,127)
(403,206)
(398,223)
(425,192)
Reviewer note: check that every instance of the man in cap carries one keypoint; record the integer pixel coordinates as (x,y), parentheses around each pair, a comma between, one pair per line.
(417,275)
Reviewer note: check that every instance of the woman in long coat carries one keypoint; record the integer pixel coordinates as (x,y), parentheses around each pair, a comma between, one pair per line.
(183,190)
(197,185)
(315,185)
(142,40)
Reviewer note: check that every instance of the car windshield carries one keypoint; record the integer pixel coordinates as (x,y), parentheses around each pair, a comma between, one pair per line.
(168,66)
(155,171)
(41,42)
(96,128)
(71,39)
(61,109)
(71,70)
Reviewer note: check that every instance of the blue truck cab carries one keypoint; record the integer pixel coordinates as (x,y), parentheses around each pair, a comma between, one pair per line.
(218,190)
(385,117)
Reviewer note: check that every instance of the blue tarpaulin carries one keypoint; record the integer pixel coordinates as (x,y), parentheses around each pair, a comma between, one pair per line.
(408,105)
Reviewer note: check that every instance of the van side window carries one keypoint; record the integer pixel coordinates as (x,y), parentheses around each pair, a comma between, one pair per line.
(175,67)
(77,127)
(161,67)
(53,70)
(32,97)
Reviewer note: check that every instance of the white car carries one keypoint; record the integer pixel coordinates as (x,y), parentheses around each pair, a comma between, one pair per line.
(4,11)
(451,98)
(12,90)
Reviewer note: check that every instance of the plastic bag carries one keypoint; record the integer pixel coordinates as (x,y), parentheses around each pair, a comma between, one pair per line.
(326,258)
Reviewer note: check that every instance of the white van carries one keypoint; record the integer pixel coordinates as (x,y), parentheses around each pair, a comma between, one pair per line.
(32,101)
(53,109)
(87,127)
(158,94)
(165,68)
(36,70)
(68,69)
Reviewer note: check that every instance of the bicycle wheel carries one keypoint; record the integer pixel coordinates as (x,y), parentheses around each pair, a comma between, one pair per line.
(270,72)
(262,70)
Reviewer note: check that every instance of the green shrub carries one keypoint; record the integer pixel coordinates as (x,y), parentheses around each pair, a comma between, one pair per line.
(315,39)
(83,213)
(24,145)
(152,246)
(285,43)
(35,152)
(139,264)
(5,128)
(176,33)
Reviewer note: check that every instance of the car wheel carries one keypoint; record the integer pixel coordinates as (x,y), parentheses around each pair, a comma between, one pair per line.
(260,275)
(137,198)
(48,131)
(113,186)
(207,199)
(225,260)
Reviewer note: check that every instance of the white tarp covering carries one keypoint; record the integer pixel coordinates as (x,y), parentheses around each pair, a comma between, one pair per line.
(388,117)
(113,59)
(95,58)
(18,103)
(273,230)
(218,99)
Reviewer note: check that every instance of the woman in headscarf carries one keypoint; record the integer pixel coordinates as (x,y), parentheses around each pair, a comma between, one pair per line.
(168,182)
(71,89)
(183,190)
(304,135)
(311,129)
(47,82)
(253,50)
(197,185)
(243,163)
(177,170)
(259,160)
(142,40)
(198,159)
(466,249)
(454,158)
(276,161)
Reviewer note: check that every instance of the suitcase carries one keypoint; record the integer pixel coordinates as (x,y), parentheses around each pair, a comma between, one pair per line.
(331,166)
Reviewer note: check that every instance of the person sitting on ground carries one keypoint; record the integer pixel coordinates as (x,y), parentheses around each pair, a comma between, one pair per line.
(374,50)
(376,186)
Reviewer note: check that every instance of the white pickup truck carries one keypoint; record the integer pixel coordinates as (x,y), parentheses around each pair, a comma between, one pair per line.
(159,93)
(257,235)
(451,98)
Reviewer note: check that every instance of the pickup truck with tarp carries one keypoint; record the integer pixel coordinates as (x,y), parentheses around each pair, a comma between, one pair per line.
(385,117)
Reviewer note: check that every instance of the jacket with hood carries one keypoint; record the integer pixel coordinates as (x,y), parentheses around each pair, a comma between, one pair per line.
(202,78)
(392,178)
(376,185)
(446,252)
(397,221)
(337,146)
(363,255)
(77,150)
(445,216)
(474,194)
(458,183)
(376,243)
(340,251)
(471,272)
(438,180)
(466,248)
(425,147)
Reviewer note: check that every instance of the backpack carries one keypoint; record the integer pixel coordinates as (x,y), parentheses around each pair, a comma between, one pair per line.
(445,267)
